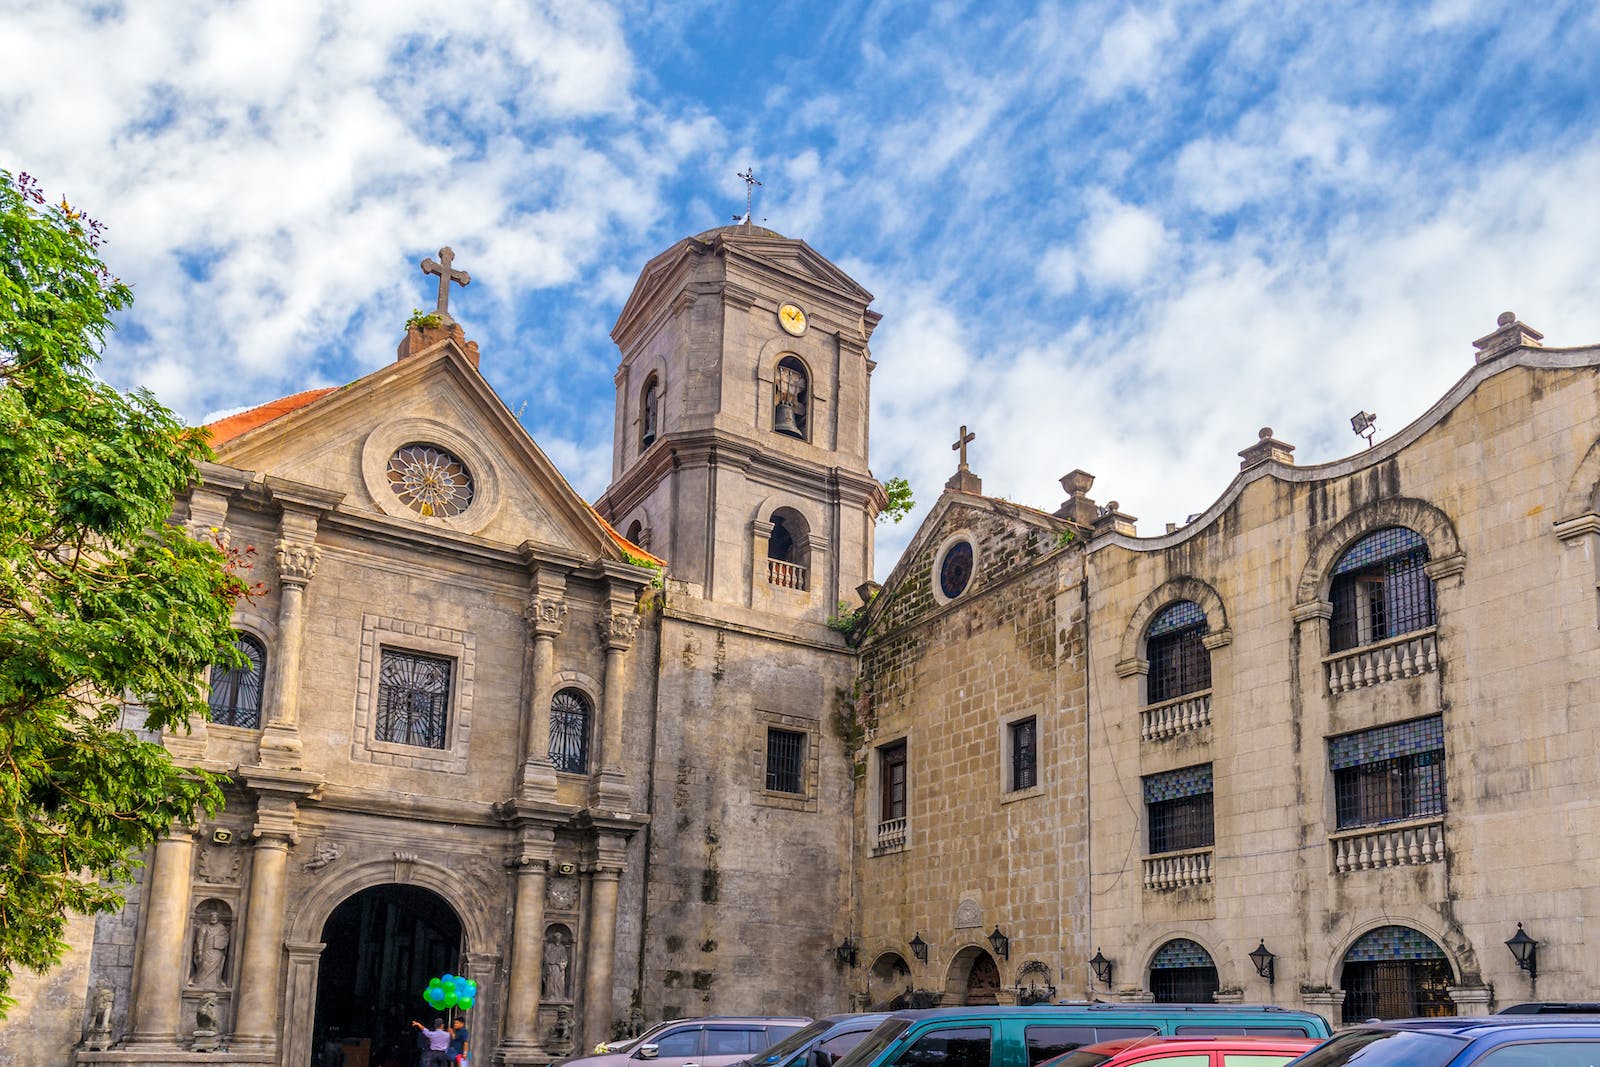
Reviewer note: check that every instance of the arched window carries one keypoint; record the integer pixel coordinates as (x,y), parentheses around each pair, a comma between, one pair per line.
(1394,972)
(788,549)
(1175,647)
(635,531)
(1183,973)
(236,691)
(570,716)
(649,411)
(791,398)
(1380,589)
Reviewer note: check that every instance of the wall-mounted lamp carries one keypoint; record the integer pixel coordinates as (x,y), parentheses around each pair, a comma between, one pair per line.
(1526,951)
(1000,943)
(919,947)
(1264,959)
(845,954)
(1101,967)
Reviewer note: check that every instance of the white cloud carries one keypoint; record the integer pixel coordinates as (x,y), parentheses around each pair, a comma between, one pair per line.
(1132,52)
(1121,243)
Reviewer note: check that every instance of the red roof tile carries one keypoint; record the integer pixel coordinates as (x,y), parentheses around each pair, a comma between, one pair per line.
(234,425)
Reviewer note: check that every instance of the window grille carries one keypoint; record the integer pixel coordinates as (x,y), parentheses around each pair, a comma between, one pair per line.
(570,715)
(1180,809)
(1388,774)
(1024,754)
(1380,589)
(1183,972)
(1395,972)
(786,751)
(236,691)
(892,769)
(1175,648)
(413,699)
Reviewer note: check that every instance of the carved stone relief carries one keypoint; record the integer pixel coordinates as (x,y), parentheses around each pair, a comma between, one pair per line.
(219,864)
(561,893)
(968,915)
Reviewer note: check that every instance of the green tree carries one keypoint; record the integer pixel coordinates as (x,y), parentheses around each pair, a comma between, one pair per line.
(101,597)
(898,490)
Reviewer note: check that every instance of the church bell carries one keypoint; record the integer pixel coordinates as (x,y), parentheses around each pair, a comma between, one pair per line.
(783,420)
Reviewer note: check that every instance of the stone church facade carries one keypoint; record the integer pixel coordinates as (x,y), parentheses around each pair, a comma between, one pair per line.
(614,764)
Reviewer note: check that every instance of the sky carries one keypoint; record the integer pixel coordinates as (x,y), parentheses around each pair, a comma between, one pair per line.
(1113,236)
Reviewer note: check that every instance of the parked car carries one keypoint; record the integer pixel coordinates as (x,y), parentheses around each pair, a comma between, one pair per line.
(821,1043)
(1231,1051)
(1027,1036)
(1552,1007)
(1518,1040)
(715,1041)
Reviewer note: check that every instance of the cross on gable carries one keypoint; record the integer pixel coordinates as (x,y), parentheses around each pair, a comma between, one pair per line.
(446,276)
(962,443)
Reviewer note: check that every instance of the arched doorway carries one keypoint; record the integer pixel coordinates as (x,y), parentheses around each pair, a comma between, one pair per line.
(889,983)
(1395,972)
(383,944)
(973,978)
(1183,972)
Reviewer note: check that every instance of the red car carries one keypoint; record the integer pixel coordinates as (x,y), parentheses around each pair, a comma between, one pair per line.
(1227,1051)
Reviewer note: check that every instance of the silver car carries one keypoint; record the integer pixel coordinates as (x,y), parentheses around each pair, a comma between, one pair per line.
(715,1041)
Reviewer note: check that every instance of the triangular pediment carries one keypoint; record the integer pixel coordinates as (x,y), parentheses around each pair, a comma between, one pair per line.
(349,441)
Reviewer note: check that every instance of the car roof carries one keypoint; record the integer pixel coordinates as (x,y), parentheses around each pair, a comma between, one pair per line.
(1206,1043)
(781,1020)
(1483,1025)
(918,1014)
(868,1019)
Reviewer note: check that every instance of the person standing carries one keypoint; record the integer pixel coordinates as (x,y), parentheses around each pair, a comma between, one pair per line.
(460,1041)
(438,1044)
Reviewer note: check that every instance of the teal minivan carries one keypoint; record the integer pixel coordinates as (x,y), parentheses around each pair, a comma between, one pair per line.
(1026,1036)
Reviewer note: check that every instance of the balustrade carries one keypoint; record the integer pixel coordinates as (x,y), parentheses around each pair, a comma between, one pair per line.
(1174,870)
(891,834)
(1388,846)
(1398,657)
(1172,717)
(786,575)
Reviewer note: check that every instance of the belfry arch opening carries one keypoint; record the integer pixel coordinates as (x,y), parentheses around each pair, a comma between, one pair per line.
(382,946)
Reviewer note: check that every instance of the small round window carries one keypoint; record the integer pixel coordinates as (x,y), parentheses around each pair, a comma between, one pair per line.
(430,481)
(955,570)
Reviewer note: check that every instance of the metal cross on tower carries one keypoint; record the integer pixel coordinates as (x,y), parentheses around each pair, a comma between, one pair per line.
(446,276)
(961,445)
(750,183)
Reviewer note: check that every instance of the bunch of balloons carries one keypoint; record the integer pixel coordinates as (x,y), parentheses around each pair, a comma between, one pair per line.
(450,991)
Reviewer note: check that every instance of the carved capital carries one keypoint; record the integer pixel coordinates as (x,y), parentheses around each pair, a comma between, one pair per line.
(618,628)
(297,561)
(545,615)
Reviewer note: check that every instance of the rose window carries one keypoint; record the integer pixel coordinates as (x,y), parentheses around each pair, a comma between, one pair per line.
(430,481)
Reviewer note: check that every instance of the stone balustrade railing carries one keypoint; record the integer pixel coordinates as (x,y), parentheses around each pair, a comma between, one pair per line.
(1398,657)
(786,575)
(891,834)
(1172,717)
(1174,870)
(1388,846)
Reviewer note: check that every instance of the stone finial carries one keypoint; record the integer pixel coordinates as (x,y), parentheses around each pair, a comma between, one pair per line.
(963,480)
(1078,508)
(420,339)
(1267,449)
(867,590)
(1509,335)
(1111,519)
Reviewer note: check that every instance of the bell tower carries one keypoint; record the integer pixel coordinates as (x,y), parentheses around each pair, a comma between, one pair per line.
(740,448)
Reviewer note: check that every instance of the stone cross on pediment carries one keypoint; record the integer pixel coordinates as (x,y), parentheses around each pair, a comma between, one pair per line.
(446,275)
(961,445)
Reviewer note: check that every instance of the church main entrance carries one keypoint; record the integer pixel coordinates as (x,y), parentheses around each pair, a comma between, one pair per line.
(383,944)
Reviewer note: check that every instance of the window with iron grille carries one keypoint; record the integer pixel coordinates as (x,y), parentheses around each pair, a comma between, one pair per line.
(1180,810)
(892,772)
(570,717)
(1395,972)
(1024,753)
(786,754)
(1183,972)
(1175,648)
(413,699)
(236,691)
(1380,589)
(1389,773)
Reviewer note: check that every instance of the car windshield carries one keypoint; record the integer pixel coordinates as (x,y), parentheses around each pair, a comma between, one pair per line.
(874,1043)
(1384,1048)
(790,1045)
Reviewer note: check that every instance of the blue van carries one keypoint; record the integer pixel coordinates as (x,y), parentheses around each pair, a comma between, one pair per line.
(1514,1040)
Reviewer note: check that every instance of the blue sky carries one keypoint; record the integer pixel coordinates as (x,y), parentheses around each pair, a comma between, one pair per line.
(1116,236)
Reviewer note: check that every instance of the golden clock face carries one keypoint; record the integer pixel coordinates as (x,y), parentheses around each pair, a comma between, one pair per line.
(792,319)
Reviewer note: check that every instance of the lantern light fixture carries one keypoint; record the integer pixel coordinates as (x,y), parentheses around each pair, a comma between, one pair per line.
(1264,960)
(1101,967)
(845,954)
(919,947)
(1000,943)
(1526,951)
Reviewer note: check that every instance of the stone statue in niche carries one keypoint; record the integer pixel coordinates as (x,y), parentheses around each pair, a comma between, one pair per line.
(563,893)
(205,1024)
(557,960)
(99,1037)
(219,863)
(212,938)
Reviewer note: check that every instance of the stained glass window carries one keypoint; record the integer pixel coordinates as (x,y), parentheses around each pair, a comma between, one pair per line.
(1183,972)
(1389,773)
(570,716)
(955,570)
(1395,972)
(1180,809)
(1174,645)
(413,699)
(236,691)
(1380,589)
(430,481)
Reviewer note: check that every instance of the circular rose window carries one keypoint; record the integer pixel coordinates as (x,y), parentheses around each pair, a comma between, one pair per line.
(955,570)
(430,481)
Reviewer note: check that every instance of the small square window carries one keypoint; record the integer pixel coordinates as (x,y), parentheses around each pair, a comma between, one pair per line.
(786,756)
(413,699)
(1023,736)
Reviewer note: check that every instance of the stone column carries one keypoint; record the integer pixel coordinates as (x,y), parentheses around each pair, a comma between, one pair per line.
(161,961)
(255,1023)
(545,613)
(297,556)
(616,630)
(521,1042)
(602,949)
